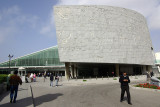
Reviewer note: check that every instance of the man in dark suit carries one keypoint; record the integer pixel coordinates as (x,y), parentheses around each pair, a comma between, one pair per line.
(124,80)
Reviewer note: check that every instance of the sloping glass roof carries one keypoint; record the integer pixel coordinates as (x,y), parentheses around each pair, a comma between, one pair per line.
(46,57)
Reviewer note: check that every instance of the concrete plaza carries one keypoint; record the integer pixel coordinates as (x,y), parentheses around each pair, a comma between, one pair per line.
(92,93)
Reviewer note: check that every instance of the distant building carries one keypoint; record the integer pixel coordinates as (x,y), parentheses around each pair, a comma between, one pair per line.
(46,60)
(157,62)
(157,55)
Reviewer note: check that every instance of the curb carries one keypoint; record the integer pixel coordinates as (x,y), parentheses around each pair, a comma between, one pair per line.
(31,93)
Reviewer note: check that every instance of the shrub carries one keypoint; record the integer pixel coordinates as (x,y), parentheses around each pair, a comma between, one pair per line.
(84,80)
(147,85)
(114,78)
(3,78)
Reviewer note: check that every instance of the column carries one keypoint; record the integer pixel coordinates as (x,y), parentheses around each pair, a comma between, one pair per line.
(144,69)
(72,70)
(75,71)
(67,70)
(117,69)
(149,68)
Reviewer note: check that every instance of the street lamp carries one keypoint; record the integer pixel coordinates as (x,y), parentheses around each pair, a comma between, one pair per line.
(10,56)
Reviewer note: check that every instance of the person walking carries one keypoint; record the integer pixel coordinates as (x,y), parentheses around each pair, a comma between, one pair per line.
(14,80)
(34,77)
(56,79)
(148,77)
(45,74)
(31,77)
(124,80)
(151,74)
(51,79)
(8,84)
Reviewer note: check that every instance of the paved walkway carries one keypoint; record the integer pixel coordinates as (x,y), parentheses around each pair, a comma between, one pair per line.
(89,81)
(93,93)
(24,98)
(76,93)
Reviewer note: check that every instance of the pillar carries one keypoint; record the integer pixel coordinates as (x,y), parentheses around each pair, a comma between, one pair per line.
(150,68)
(117,69)
(67,70)
(72,70)
(77,74)
(75,71)
(144,69)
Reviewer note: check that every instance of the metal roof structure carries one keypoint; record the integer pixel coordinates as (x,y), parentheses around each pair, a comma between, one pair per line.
(46,58)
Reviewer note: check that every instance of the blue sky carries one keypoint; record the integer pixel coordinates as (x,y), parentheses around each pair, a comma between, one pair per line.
(27,26)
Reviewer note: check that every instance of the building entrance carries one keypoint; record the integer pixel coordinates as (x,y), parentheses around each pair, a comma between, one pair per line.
(96,70)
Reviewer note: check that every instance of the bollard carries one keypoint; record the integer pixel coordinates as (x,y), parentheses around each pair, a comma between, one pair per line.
(44,79)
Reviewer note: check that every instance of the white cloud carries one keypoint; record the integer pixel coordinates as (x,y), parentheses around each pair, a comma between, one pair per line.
(49,28)
(7,27)
(149,8)
(154,19)
(45,29)
(11,21)
(11,10)
(5,32)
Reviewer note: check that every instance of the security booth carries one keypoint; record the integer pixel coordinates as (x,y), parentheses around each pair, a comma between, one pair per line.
(22,73)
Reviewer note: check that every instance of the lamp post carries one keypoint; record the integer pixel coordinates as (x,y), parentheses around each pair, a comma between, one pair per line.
(10,56)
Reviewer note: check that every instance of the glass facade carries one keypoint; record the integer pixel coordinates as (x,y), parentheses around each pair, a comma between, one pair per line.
(158,61)
(48,57)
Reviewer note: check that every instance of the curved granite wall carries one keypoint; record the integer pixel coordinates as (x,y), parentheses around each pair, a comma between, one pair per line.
(102,34)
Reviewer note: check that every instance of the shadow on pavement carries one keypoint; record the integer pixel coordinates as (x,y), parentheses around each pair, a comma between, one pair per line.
(46,98)
(4,95)
(60,85)
(28,101)
(125,99)
(21,89)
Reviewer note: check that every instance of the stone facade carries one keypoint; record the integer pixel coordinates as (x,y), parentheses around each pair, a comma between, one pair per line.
(102,34)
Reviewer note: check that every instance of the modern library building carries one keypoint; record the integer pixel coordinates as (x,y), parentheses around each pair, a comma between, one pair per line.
(93,41)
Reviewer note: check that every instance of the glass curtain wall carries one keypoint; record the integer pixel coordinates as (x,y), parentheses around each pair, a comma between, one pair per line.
(46,57)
